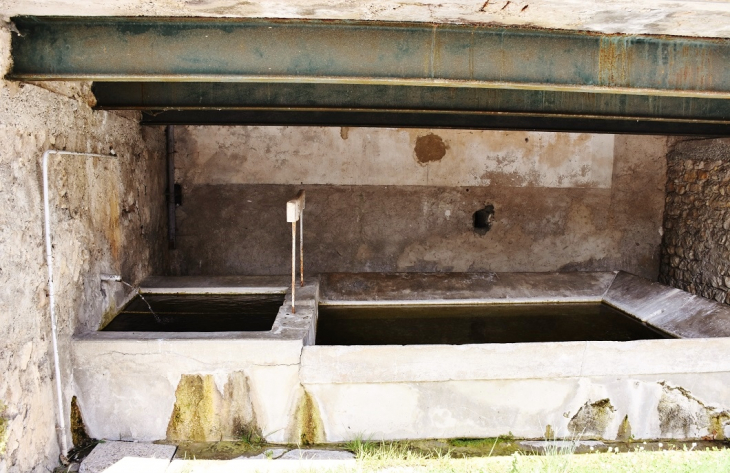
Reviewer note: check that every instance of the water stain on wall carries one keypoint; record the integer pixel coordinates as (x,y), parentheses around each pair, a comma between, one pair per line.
(592,419)
(79,434)
(624,430)
(113,230)
(309,424)
(681,415)
(203,414)
(430,148)
(3,428)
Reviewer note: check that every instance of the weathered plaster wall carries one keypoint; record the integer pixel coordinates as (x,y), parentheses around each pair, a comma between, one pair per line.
(107,216)
(696,249)
(383,200)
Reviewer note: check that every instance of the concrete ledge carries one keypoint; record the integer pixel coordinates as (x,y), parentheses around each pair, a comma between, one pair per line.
(215,285)
(205,352)
(438,363)
(420,363)
(671,310)
(650,357)
(463,288)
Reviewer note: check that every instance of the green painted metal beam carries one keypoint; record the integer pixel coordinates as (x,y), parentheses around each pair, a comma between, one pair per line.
(389,98)
(346,52)
(421,119)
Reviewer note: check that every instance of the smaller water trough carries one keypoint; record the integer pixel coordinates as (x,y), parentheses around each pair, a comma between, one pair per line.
(198,313)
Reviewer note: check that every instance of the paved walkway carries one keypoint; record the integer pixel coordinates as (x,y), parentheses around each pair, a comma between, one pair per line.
(125,457)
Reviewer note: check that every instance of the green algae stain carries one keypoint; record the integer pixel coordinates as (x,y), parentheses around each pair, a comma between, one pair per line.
(108,315)
(624,431)
(238,419)
(203,414)
(225,450)
(193,417)
(592,419)
(718,423)
(79,435)
(3,429)
(481,447)
(309,423)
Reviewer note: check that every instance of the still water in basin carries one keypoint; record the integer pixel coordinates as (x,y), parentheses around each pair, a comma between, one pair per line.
(462,324)
(198,313)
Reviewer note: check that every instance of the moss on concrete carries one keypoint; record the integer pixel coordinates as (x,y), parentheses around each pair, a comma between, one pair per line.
(238,419)
(108,315)
(203,414)
(717,424)
(225,450)
(309,424)
(3,429)
(624,431)
(79,435)
(194,415)
(484,447)
(592,419)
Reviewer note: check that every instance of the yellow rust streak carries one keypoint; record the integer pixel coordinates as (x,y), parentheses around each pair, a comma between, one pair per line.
(613,62)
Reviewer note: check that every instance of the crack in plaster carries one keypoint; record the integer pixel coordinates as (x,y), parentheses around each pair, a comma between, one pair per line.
(119,353)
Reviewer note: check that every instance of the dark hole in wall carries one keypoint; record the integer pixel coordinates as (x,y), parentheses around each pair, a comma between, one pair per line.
(178,194)
(483,219)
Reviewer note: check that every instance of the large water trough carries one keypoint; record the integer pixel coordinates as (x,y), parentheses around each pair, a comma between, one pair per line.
(405,356)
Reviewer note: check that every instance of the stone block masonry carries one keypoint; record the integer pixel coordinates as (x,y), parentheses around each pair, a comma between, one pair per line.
(696,246)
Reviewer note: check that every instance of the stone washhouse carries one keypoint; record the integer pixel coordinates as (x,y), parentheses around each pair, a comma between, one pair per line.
(388,220)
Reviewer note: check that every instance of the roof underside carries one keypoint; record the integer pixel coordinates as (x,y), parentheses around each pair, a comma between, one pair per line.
(354,73)
(700,18)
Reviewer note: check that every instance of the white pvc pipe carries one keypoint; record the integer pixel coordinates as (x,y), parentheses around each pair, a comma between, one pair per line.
(51,293)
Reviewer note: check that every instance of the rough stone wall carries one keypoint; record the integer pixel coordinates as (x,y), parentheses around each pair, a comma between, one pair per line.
(696,247)
(381,200)
(107,216)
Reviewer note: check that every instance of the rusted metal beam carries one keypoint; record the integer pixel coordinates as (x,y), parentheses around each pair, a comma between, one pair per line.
(423,119)
(389,98)
(347,52)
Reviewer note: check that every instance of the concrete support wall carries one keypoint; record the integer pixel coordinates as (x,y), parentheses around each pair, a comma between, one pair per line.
(403,200)
(107,216)
(696,250)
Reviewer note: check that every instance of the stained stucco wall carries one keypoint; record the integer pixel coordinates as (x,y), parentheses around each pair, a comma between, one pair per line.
(107,216)
(696,250)
(403,200)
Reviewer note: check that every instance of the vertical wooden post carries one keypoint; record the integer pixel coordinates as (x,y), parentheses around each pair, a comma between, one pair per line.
(293,265)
